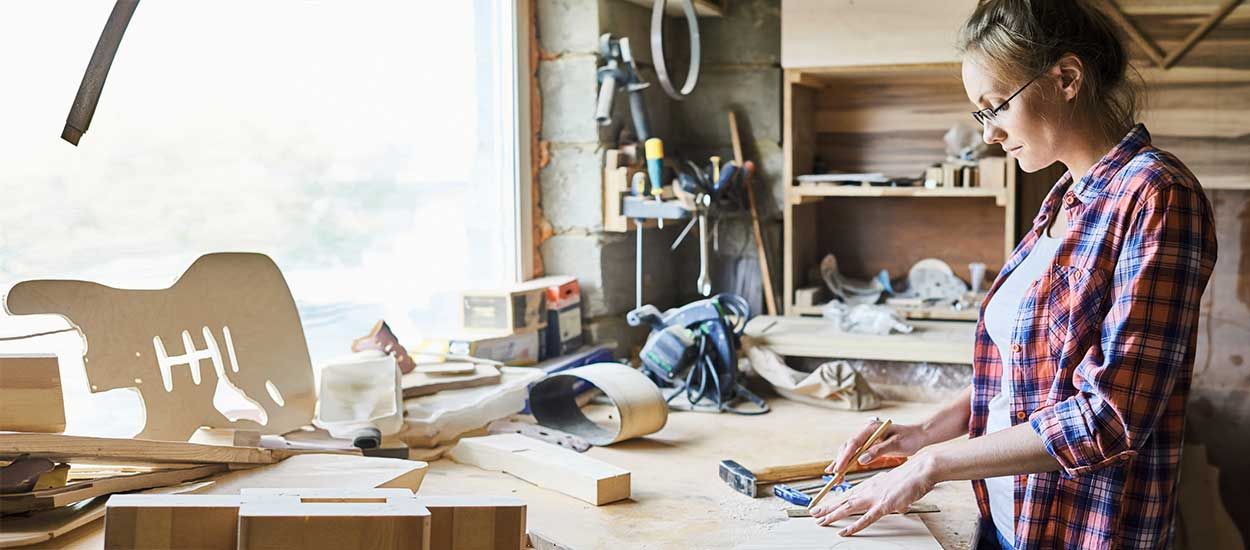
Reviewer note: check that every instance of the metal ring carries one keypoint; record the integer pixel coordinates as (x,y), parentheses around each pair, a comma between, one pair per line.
(657,49)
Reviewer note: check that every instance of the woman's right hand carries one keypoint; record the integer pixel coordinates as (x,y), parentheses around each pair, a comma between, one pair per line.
(898,440)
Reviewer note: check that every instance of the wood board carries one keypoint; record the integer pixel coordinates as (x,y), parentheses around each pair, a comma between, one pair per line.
(323,471)
(228,321)
(30,394)
(893,532)
(475,522)
(82,490)
(547,466)
(418,383)
(934,341)
(110,450)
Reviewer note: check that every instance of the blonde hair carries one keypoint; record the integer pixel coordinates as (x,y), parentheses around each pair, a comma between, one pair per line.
(1018,39)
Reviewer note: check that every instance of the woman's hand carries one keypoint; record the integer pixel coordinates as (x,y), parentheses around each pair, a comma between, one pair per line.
(898,440)
(889,492)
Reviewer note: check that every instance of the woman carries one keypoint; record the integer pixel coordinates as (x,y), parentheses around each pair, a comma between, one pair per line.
(1085,344)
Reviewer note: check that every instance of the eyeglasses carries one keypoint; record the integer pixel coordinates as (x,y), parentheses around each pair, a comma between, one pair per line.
(989,114)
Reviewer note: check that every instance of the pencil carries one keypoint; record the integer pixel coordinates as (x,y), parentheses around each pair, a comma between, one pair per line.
(837,478)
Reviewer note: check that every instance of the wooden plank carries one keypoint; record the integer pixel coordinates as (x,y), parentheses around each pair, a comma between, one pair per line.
(933,341)
(547,466)
(66,448)
(324,471)
(74,492)
(332,519)
(44,526)
(170,522)
(30,394)
(475,522)
(416,383)
(1199,33)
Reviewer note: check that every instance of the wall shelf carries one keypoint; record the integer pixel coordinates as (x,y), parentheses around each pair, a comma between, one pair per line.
(932,341)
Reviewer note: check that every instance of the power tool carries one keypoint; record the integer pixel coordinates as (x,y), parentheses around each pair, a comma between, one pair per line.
(693,350)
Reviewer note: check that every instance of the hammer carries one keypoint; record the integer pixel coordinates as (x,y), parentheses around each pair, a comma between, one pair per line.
(745,481)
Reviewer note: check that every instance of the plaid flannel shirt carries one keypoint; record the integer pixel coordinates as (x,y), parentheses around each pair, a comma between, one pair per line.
(1103,352)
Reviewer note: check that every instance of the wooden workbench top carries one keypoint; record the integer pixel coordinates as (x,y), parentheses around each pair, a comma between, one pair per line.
(678,499)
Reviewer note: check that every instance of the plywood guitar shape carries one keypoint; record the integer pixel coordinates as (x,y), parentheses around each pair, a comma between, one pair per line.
(229,321)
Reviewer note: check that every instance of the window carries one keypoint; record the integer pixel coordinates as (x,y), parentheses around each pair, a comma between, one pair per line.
(369,147)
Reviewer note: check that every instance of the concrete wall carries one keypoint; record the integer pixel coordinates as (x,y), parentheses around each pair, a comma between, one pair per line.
(741,71)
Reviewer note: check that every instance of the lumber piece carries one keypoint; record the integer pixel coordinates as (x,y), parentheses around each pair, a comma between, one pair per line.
(324,471)
(30,394)
(475,522)
(547,466)
(47,499)
(44,526)
(419,383)
(168,522)
(332,520)
(65,448)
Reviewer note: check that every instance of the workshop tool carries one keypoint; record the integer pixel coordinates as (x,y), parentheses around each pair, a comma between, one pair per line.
(837,478)
(794,495)
(621,72)
(657,48)
(705,282)
(88,96)
(747,481)
(654,149)
(748,171)
(361,399)
(694,350)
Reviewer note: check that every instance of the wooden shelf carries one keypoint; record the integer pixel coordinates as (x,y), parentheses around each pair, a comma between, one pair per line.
(798,192)
(702,8)
(932,341)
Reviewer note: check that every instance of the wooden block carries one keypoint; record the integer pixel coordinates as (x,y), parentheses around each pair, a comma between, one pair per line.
(158,522)
(546,465)
(418,383)
(332,520)
(475,522)
(30,394)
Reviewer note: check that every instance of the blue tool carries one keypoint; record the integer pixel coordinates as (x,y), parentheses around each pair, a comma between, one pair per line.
(795,496)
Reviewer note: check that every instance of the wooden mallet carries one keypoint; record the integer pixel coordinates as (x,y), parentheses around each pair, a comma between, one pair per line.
(837,478)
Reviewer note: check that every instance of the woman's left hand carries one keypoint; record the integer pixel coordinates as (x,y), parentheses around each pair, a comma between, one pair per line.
(885,493)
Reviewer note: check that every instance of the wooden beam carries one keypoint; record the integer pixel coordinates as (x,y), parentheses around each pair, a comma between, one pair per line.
(74,447)
(547,466)
(1200,32)
(1115,13)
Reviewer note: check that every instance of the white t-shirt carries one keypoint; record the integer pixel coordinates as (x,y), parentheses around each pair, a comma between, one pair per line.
(1000,323)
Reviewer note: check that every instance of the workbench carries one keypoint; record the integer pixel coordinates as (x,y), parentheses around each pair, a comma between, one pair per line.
(678,499)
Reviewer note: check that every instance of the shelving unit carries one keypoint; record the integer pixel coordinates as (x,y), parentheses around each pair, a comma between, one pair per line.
(888,119)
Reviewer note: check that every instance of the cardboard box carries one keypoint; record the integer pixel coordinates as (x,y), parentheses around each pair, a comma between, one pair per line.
(515,309)
(510,348)
(564,313)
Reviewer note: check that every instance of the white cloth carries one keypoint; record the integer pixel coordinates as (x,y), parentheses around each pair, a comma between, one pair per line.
(1000,323)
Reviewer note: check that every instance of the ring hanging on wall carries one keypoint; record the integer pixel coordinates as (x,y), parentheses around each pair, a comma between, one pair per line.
(657,49)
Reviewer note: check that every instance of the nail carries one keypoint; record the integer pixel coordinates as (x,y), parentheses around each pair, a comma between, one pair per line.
(843,532)
(864,458)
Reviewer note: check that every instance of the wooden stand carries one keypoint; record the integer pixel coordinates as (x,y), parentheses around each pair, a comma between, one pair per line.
(832,114)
